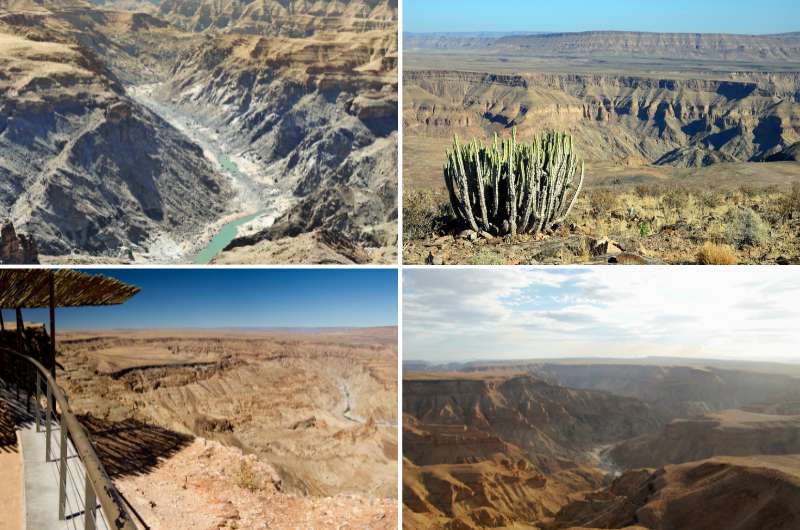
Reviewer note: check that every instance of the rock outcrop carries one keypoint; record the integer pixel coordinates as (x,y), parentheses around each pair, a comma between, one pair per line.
(16,248)
(726,492)
(306,92)
(730,433)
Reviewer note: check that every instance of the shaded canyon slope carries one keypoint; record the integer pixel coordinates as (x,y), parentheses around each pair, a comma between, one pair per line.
(725,492)
(304,93)
(84,168)
(493,449)
(318,115)
(520,446)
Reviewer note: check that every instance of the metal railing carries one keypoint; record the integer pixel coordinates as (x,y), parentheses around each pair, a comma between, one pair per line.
(73,443)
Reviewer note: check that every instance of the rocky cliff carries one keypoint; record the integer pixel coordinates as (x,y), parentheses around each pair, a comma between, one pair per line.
(317,115)
(304,92)
(676,391)
(293,18)
(617,118)
(670,46)
(736,493)
(731,433)
(16,248)
(537,417)
(488,450)
(84,168)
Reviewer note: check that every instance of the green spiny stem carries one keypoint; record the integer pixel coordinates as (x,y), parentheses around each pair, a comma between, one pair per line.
(524,187)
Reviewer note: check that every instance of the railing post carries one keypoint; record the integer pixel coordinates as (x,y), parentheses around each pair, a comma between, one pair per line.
(62,476)
(37,406)
(90,507)
(47,424)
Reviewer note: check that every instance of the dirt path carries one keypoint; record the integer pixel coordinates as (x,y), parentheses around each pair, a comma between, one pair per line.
(11,488)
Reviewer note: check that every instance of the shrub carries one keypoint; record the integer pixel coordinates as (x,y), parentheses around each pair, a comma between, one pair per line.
(246,477)
(645,190)
(485,257)
(708,200)
(675,199)
(603,201)
(714,254)
(789,203)
(423,213)
(746,228)
(510,187)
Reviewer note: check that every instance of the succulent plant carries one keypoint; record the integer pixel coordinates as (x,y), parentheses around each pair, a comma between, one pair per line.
(513,188)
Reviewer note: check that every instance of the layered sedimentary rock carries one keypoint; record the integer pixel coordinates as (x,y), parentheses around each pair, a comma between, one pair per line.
(731,433)
(726,492)
(616,118)
(295,18)
(676,391)
(305,92)
(84,168)
(671,46)
(491,450)
(317,115)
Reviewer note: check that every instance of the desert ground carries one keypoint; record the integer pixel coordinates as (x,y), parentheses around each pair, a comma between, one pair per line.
(690,160)
(608,443)
(239,428)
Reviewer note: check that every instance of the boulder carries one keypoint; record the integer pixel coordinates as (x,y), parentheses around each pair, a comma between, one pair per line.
(17,249)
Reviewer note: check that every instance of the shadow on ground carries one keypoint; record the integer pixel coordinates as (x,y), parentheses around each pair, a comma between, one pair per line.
(131,447)
(8,435)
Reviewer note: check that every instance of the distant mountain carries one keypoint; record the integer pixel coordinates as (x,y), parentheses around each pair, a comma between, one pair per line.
(708,46)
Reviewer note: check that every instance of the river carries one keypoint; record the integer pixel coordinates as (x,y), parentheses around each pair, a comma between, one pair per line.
(253,199)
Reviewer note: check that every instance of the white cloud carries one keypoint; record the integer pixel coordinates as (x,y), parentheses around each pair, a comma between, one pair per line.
(734,312)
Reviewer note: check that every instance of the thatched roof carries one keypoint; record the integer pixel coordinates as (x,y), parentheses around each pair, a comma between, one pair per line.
(30,288)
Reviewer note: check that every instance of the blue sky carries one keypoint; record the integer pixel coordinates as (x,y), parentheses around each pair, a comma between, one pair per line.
(741,313)
(689,16)
(177,298)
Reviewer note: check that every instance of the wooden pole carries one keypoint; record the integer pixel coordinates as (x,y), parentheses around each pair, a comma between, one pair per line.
(52,325)
(2,323)
(20,342)
(20,329)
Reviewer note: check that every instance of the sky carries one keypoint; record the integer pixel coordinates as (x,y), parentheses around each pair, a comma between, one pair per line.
(679,16)
(212,298)
(736,313)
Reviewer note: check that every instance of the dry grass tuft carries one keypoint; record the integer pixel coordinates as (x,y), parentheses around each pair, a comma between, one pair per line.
(246,477)
(715,254)
(423,213)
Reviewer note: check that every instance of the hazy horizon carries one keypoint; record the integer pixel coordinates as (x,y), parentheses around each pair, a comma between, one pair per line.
(600,360)
(731,314)
(524,16)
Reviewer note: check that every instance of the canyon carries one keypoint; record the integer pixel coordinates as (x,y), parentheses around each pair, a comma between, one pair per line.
(246,427)
(602,444)
(649,113)
(147,132)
